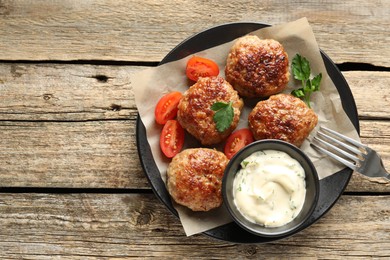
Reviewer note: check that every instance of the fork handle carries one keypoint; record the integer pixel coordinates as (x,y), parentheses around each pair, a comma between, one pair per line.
(381,172)
(374,167)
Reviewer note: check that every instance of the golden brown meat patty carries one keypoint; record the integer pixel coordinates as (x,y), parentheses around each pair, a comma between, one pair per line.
(257,67)
(194,178)
(195,113)
(283,117)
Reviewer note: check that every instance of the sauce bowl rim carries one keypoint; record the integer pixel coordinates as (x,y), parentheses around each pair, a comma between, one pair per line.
(310,173)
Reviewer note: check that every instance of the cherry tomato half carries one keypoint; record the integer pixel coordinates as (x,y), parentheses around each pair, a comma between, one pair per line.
(171,138)
(201,67)
(166,107)
(236,141)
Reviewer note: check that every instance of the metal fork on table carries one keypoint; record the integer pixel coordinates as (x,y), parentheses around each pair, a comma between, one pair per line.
(349,152)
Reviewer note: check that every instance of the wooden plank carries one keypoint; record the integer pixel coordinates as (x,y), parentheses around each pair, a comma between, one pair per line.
(89,112)
(96,226)
(87,92)
(371,92)
(147,30)
(66,92)
(71,93)
(97,154)
(103,154)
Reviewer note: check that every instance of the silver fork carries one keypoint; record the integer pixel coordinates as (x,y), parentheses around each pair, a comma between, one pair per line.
(349,152)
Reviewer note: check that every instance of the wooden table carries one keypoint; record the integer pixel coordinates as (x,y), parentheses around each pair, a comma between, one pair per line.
(72,185)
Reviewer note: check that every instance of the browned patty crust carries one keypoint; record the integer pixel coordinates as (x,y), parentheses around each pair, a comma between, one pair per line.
(195,113)
(257,67)
(283,117)
(194,178)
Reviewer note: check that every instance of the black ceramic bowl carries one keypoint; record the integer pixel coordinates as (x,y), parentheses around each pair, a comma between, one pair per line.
(312,188)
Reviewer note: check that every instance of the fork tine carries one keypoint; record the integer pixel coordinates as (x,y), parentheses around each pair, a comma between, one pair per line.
(342,144)
(341,151)
(352,141)
(336,157)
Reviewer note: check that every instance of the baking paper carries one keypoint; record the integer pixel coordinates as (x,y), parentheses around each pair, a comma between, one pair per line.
(151,84)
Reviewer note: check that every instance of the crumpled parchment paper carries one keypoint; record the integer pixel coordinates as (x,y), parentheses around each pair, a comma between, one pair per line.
(151,84)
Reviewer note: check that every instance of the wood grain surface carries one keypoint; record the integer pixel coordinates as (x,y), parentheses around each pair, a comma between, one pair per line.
(83,117)
(145,30)
(71,182)
(68,92)
(130,225)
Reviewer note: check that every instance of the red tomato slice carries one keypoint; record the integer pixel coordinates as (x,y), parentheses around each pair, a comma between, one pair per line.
(201,67)
(171,138)
(237,140)
(166,107)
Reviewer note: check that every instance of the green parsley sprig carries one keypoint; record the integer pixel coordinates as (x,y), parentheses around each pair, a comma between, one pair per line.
(301,71)
(223,116)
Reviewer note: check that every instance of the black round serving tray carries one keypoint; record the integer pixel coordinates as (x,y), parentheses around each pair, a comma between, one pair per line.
(331,187)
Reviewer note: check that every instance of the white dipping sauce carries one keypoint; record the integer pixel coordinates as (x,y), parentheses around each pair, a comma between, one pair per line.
(270,188)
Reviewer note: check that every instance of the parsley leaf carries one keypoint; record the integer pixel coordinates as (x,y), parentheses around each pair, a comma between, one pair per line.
(301,71)
(223,116)
(300,67)
(244,164)
(315,82)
